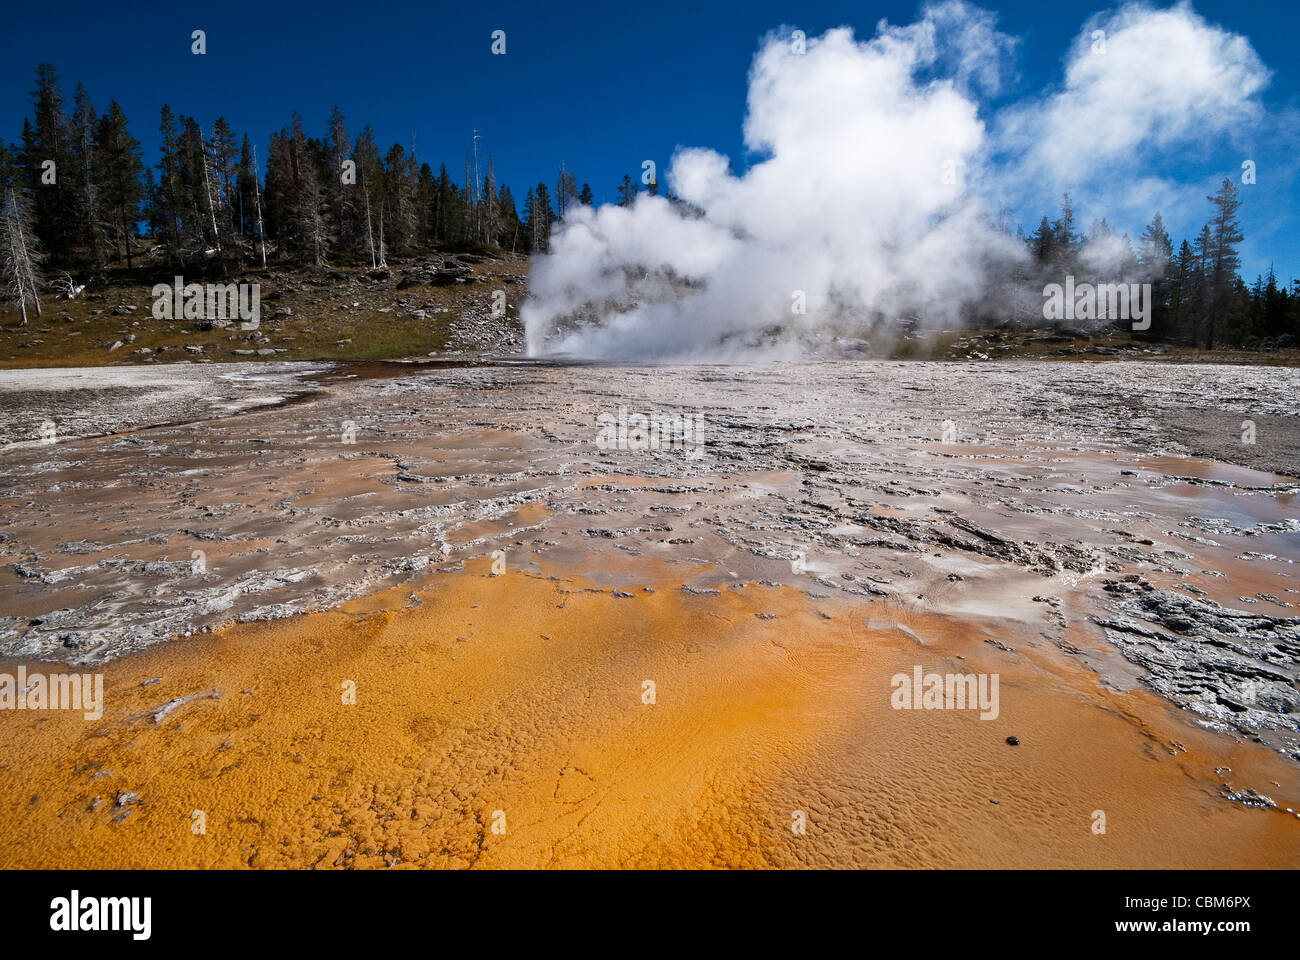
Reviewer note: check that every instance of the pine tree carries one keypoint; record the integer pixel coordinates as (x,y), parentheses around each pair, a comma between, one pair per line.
(210,191)
(245,190)
(627,191)
(294,196)
(448,216)
(426,205)
(152,207)
(343,207)
(1274,309)
(1181,294)
(1100,231)
(530,208)
(308,202)
(566,192)
(399,198)
(225,172)
(1156,250)
(510,225)
(48,138)
(194,195)
(1042,242)
(540,218)
(1063,229)
(491,207)
(11,169)
(117,176)
(168,193)
(1224,261)
(1204,245)
(370,178)
(90,231)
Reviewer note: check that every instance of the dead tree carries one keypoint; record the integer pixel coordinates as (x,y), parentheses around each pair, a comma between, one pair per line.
(257,195)
(16,265)
(67,288)
(370,233)
(207,193)
(478,197)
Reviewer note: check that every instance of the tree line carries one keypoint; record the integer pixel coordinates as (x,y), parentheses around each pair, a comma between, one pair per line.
(76,194)
(78,191)
(1198,295)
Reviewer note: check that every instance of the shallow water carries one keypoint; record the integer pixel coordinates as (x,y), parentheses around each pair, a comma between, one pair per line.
(1007,542)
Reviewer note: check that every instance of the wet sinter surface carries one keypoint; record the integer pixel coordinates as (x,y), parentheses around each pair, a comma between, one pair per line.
(838,525)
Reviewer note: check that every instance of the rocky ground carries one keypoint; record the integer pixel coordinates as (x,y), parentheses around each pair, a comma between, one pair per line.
(48,406)
(949,486)
(497,571)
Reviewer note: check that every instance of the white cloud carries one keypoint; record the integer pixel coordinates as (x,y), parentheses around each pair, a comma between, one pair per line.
(1158,79)
(852,203)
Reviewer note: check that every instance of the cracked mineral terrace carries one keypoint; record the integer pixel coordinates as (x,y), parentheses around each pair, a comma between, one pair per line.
(1041,521)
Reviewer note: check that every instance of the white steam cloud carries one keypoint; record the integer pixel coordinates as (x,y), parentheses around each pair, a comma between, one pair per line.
(1151,81)
(872,204)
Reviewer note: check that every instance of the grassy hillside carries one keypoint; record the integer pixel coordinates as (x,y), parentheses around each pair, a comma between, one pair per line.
(306,314)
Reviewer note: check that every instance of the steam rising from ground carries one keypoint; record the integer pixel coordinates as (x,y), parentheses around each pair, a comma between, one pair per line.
(876,202)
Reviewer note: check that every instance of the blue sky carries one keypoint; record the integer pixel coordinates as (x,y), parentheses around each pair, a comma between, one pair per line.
(599,87)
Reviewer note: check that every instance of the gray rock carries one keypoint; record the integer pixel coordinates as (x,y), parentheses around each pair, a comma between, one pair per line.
(1229,666)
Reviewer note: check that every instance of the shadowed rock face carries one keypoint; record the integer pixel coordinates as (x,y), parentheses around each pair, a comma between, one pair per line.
(950,488)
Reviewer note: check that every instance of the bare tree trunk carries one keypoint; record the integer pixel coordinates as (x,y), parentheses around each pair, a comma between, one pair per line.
(207,192)
(257,195)
(478,204)
(370,233)
(17,260)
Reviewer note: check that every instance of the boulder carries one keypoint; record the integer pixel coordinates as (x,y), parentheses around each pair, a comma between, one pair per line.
(419,278)
(446,276)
